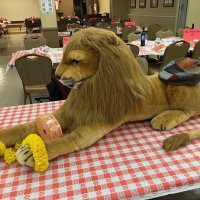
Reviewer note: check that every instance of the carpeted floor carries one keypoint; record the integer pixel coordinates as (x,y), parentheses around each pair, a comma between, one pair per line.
(10,83)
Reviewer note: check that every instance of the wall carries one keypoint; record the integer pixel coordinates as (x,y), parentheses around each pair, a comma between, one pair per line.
(166,16)
(48,19)
(49,27)
(193,13)
(19,9)
(66,7)
(119,8)
(104,6)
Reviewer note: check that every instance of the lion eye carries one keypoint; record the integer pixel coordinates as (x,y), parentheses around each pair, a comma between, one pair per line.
(75,62)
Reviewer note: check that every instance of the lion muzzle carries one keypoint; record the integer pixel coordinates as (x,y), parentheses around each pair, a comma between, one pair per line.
(71,82)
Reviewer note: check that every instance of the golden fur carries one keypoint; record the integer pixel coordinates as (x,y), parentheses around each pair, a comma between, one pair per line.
(111,90)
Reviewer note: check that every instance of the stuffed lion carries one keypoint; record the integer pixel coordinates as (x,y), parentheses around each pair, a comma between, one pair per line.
(108,89)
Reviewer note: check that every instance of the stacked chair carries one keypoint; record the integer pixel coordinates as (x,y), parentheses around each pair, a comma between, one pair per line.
(33,26)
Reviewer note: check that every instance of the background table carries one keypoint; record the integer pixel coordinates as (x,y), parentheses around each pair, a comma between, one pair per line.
(55,54)
(148,49)
(127,163)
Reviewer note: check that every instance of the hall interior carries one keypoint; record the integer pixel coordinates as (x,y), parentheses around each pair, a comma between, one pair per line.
(10,83)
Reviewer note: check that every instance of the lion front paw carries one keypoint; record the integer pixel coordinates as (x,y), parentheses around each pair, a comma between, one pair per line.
(169,119)
(35,150)
(162,123)
(24,156)
(176,141)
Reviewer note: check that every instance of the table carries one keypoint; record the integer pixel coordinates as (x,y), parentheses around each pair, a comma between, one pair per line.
(2,25)
(54,53)
(149,48)
(19,25)
(127,163)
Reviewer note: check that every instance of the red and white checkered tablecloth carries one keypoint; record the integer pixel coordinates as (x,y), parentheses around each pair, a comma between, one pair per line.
(55,54)
(127,163)
(16,55)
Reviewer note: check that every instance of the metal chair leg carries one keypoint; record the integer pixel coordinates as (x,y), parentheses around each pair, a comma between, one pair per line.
(30,98)
(25,97)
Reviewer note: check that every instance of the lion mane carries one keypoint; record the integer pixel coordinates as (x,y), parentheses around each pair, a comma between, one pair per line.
(117,85)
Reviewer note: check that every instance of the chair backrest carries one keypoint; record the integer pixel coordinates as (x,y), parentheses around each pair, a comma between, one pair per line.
(118,24)
(113,29)
(133,36)
(1,32)
(31,42)
(196,51)
(107,20)
(152,30)
(102,25)
(175,50)
(180,32)
(88,23)
(96,21)
(126,31)
(164,34)
(143,64)
(34,69)
(72,26)
(76,30)
(62,27)
(134,49)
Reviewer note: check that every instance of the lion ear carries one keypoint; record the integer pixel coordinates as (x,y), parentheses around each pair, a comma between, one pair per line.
(113,39)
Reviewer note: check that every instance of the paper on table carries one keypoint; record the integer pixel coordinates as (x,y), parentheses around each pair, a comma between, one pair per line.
(159,47)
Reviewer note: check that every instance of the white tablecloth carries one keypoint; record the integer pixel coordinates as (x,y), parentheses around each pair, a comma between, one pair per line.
(150,46)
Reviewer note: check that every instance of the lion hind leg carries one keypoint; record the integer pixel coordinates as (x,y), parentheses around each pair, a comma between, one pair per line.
(169,119)
(176,141)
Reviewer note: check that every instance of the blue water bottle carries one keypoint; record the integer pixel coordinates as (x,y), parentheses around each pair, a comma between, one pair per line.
(143,36)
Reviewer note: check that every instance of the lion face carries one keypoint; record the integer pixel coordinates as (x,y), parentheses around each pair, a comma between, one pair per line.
(77,66)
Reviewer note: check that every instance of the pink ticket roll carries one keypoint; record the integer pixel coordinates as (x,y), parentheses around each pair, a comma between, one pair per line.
(48,127)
